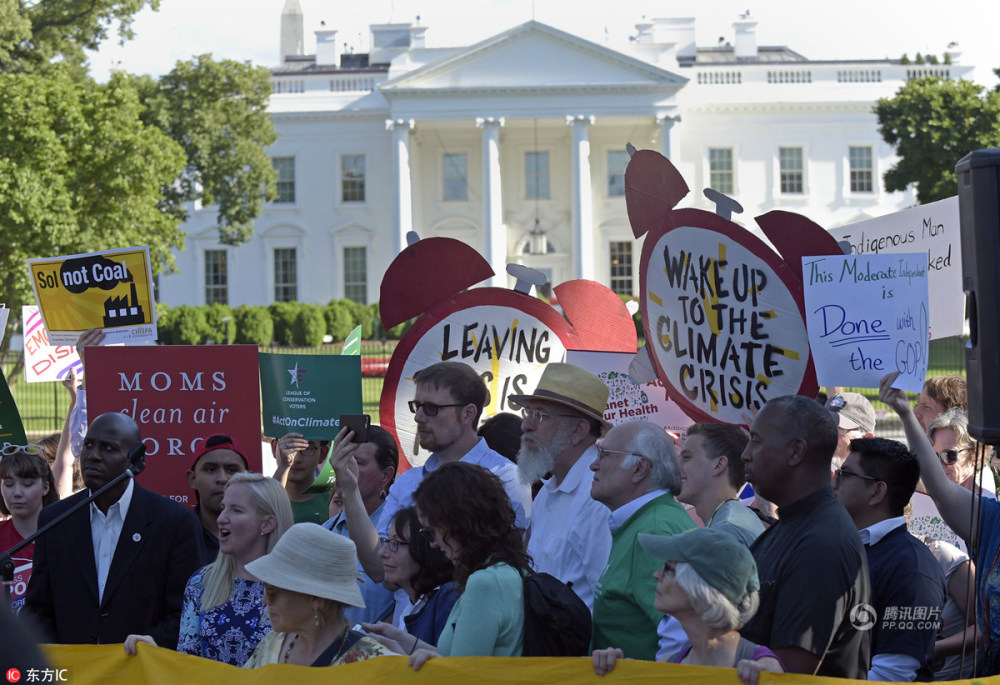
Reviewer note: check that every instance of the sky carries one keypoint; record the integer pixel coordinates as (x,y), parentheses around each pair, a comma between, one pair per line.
(847,29)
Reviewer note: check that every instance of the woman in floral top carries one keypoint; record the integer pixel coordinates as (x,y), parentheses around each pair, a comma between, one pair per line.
(224,617)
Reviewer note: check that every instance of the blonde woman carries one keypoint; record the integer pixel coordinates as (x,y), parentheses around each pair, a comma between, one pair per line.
(224,616)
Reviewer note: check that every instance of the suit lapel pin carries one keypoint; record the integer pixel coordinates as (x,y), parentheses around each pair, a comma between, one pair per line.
(136,537)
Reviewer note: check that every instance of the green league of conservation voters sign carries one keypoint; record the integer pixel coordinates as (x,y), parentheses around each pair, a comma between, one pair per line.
(307,393)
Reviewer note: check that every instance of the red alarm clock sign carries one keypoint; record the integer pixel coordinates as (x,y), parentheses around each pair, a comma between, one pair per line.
(506,336)
(722,312)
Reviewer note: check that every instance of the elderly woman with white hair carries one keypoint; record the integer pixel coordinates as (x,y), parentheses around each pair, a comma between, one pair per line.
(709,584)
(309,577)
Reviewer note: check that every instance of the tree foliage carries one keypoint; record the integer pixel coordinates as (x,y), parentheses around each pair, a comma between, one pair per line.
(933,123)
(87,166)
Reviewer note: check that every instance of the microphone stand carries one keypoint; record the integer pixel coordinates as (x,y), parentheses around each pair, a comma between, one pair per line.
(137,462)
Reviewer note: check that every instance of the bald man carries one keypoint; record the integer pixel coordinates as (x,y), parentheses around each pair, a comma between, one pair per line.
(119,566)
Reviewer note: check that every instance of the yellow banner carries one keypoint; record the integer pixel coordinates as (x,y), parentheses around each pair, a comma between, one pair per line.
(109,290)
(97,665)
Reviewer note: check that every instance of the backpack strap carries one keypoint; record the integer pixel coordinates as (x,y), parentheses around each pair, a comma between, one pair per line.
(745,650)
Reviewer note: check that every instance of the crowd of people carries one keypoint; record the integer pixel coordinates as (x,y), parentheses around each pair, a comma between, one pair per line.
(816,572)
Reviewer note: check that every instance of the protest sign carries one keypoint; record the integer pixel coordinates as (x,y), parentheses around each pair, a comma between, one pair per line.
(506,336)
(110,290)
(179,395)
(11,429)
(934,230)
(867,316)
(42,361)
(307,393)
(4,313)
(628,400)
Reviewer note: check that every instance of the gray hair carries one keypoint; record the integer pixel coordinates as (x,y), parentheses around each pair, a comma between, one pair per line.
(653,443)
(716,611)
(957,421)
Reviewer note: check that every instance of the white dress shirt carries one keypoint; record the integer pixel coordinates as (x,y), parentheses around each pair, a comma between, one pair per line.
(105,531)
(569,536)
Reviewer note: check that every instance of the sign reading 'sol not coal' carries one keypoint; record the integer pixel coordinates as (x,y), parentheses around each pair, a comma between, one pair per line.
(109,290)
(725,331)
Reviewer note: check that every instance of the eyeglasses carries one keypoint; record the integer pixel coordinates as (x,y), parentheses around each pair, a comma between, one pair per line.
(431,409)
(950,457)
(270,592)
(541,416)
(669,567)
(603,453)
(840,473)
(314,447)
(8,450)
(392,543)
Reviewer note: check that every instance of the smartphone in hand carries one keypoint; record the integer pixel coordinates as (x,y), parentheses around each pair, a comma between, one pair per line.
(358,424)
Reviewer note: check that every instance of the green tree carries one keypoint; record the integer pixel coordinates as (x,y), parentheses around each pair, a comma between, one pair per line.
(78,172)
(934,122)
(217,111)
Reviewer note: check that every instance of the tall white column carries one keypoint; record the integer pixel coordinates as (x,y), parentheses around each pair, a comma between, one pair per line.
(494,231)
(402,199)
(582,207)
(669,146)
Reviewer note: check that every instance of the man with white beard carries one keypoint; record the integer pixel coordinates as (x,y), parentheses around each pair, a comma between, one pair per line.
(569,536)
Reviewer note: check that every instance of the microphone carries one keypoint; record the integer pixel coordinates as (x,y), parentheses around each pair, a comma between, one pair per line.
(136,459)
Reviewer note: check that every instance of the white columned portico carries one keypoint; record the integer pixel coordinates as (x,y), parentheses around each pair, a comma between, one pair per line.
(402,199)
(582,207)
(494,231)
(669,146)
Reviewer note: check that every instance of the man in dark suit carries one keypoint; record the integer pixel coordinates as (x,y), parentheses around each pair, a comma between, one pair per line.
(120,567)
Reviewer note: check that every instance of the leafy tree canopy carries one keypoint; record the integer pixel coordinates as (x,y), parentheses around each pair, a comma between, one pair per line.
(87,166)
(933,122)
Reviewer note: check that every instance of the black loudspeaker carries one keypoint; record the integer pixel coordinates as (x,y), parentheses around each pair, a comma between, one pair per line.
(979,210)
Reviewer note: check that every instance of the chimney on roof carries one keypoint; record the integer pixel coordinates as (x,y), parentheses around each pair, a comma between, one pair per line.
(327,52)
(954,52)
(292,41)
(678,32)
(645,31)
(746,37)
(418,34)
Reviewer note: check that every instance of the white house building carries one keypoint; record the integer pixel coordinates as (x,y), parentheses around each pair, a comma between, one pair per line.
(516,146)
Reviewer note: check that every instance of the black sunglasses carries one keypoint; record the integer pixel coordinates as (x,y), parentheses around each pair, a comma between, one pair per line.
(950,457)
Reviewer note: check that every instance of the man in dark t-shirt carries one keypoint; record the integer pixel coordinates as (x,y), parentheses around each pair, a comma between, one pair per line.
(812,567)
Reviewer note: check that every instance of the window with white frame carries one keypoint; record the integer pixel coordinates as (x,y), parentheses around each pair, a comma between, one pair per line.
(617,161)
(285,166)
(286,282)
(455,182)
(792,174)
(720,169)
(352,178)
(536,175)
(216,277)
(862,168)
(620,266)
(356,274)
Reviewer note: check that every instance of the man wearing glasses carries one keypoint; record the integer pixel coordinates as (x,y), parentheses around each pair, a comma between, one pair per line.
(812,566)
(874,484)
(563,418)
(635,476)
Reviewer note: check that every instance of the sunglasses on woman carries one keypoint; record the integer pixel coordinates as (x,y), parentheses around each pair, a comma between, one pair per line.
(8,450)
(950,457)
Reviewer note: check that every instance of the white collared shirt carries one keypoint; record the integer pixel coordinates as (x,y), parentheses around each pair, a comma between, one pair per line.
(569,536)
(874,533)
(620,515)
(105,531)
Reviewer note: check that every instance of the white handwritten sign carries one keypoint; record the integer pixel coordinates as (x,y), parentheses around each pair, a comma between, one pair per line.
(42,360)
(867,316)
(934,230)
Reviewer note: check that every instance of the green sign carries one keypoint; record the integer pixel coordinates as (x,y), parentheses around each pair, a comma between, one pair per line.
(307,393)
(11,430)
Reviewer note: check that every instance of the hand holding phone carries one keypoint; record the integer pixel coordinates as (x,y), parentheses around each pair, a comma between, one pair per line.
(358,424)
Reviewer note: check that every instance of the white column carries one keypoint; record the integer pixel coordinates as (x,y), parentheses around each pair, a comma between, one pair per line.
(494,231)
(581,207)
(669,146)
(402,199)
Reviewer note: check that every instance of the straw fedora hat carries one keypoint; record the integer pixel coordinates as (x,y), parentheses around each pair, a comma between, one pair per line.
(312,560)
(572,387)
